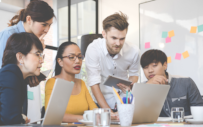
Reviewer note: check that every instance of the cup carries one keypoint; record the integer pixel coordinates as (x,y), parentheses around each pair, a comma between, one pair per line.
(197,112)
(101,117)
(177,114)
(125,112)
(88,115)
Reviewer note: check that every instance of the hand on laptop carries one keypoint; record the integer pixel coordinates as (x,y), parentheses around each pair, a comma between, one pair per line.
(27,121)
(114,116)
(124,87)
(158,79)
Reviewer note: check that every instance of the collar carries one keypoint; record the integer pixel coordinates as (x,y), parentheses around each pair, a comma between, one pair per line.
(106,51)
(20,27)
(169,78)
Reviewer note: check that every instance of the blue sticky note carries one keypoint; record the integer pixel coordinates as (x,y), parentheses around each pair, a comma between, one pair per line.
(30,95)
(200,28)
(164,34)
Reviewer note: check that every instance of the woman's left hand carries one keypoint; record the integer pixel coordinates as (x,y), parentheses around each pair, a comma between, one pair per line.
(32,81)
(42,40)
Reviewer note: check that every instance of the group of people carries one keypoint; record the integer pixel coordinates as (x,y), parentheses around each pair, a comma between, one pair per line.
(21,57)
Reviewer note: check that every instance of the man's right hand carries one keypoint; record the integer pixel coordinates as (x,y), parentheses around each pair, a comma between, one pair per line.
(158,79)
(114,116)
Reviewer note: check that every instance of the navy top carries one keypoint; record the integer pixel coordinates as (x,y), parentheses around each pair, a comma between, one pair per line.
(13,90)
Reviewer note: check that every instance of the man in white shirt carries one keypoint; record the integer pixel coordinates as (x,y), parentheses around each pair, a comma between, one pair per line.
(111,56)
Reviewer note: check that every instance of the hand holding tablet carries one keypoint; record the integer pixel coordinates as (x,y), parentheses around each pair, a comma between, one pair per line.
(113,81)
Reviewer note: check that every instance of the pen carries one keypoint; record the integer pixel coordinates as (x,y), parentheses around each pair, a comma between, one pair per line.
(126,96)
(77,123)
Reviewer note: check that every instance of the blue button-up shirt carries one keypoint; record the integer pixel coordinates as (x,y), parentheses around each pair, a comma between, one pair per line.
(5,34)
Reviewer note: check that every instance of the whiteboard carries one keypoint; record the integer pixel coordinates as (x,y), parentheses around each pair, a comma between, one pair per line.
(178,15)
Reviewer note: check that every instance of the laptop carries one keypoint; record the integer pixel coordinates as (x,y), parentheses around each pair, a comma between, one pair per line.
(148,100)
(58,102)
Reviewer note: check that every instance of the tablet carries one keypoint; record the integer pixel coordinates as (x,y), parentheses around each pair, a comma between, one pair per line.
(113,81)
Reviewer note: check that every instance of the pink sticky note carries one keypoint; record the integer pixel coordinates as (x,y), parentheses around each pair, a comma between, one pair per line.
(168,39)
(178,56)
(147,45)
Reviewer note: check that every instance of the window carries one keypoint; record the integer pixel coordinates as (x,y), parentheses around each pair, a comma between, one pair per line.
(82,20)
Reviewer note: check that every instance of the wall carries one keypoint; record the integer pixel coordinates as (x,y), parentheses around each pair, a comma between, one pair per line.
(130,8)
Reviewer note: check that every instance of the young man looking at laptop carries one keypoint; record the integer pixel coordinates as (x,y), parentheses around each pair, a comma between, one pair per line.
(183,90)
(111,55)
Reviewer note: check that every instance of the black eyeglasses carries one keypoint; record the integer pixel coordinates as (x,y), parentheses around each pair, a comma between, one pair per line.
(73,57)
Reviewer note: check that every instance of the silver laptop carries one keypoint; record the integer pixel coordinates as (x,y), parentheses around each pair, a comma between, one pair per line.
(149,100)
(58,102)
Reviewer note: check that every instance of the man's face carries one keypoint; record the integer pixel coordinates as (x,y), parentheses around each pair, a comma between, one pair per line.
(154,69)
(114,39)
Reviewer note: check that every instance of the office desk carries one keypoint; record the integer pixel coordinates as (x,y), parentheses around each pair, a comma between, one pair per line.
(70,124)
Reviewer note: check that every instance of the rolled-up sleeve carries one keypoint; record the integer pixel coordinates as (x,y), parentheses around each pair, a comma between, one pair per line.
(92,66)
(135,66)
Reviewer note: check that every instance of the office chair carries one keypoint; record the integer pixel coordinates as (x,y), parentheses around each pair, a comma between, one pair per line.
(86,40)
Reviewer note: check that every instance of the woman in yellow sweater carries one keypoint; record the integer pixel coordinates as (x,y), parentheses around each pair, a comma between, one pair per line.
(68,63)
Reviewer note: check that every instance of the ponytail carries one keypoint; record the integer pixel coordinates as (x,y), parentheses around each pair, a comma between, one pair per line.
(38,10)
(17,18)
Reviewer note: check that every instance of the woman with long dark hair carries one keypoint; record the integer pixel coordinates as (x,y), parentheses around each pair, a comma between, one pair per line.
(68,64)
(22,58)
(36,19)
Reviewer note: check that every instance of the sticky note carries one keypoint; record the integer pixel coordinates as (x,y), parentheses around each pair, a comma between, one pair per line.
(169,59)
(168,39)
(185,54)
(147,45)
(171,33)
(200,28)
(30,95)
(164,34)
(193,29)
(178,56)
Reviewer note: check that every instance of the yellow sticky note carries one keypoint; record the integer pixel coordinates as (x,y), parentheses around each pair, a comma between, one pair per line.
(185,54)
(169,59)
(171,33)
(193,29)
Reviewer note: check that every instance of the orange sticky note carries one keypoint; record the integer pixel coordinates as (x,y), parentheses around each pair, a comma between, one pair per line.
(171,33)
(185,54)
(193,29)
(169,59)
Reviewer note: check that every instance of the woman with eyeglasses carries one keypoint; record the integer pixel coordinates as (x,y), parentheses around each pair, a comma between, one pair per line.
(22,58)
(36,18)
(68,64)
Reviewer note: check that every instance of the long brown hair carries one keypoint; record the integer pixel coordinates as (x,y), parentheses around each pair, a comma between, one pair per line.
(38,10)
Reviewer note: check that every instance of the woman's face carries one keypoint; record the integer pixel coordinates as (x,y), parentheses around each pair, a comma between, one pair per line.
(32,62)
(72,61)
(40,28)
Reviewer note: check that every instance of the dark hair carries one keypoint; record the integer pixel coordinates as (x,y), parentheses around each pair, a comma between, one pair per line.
(119,21)
(20,42)
(60,52)
(39,11)
(152,56)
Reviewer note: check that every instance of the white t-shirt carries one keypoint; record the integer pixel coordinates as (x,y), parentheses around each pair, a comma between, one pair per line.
(99,65)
